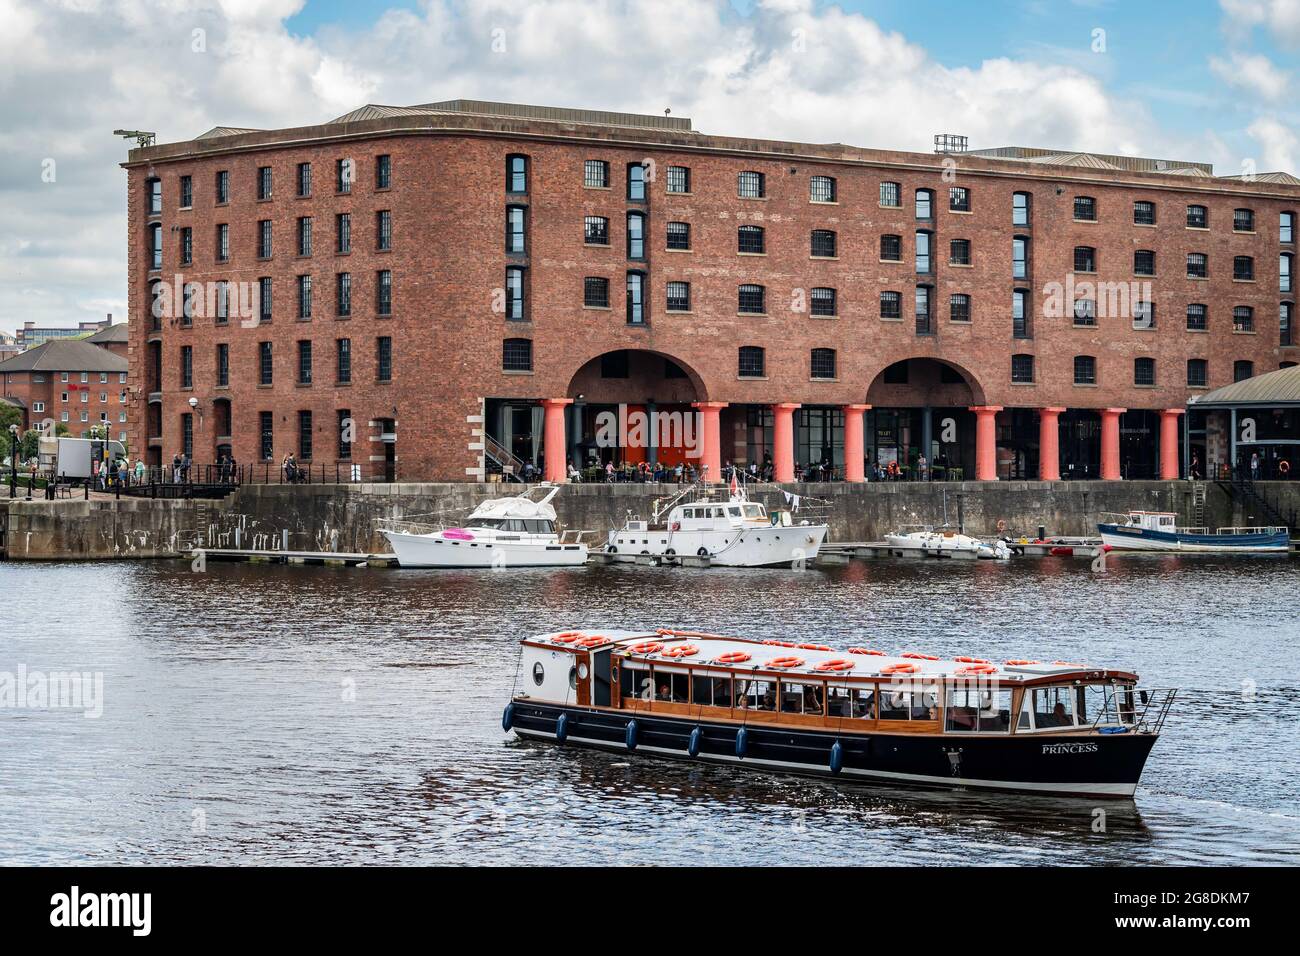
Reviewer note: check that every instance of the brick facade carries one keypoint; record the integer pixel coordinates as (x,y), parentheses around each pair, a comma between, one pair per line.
(448,202)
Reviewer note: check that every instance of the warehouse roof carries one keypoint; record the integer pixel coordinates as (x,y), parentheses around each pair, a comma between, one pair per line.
(1272,388)
(65,355)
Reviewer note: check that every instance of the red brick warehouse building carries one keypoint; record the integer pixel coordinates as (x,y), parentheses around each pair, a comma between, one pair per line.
(471,284)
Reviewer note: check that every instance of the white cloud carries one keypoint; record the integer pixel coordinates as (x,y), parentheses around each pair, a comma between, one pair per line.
(1281,18)
(1252,73)
(791,70)
(1279,145)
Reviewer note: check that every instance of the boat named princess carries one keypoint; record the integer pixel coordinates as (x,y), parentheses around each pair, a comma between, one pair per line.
(1018,725)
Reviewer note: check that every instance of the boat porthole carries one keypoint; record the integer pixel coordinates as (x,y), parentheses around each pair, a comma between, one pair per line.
(582,670)
(573,678)
(539,673)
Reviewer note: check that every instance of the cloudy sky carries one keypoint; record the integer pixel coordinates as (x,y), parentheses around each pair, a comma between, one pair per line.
(1192,79)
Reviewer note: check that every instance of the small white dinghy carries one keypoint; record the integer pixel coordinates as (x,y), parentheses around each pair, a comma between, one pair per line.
(501,533)
(943,543)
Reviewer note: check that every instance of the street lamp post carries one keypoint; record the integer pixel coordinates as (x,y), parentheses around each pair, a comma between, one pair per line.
(13,461)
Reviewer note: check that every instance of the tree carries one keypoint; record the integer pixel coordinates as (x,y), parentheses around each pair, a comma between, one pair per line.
(9,415)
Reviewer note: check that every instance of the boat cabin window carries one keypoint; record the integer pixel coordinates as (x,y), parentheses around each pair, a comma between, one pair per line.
(756,694)
(803,698)
(1106,705)
(851,702)
(635,682)
(734,511)
(753,511)
(674,688)
(712,691)
(979,709)
(516,525)
(1053,707)
(908,702)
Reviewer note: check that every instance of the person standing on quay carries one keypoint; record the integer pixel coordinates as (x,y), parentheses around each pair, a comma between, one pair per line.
(139,471)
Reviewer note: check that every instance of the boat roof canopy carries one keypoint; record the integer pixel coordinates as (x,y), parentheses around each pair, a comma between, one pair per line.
(640,646)
(521,506)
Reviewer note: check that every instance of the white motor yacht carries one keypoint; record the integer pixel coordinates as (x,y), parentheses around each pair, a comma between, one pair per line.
(514,532)
(943,543)
(735,532)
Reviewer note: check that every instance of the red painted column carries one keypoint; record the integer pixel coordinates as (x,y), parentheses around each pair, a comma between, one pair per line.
(783,441)
(986,442)
(1049,444)
(556,469)
(1169,463)
(710,439)
(1110,443)
(854,467)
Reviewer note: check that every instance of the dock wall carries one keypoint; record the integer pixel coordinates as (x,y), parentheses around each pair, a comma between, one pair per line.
(345,517)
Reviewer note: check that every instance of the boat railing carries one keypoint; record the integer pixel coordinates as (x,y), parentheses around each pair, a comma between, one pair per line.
(1201,530)
(1269,529)
(1154,708)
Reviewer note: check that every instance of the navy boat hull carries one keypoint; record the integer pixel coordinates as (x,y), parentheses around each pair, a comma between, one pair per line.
(1126,538)
(1092,765)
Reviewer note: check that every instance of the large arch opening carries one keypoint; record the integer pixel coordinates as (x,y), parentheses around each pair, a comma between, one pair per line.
(920,423)
(632,409)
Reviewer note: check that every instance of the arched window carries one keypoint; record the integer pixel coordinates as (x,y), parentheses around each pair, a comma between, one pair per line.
(923,257)
(1019,256)
(1197,373)
(823,363)
(1085,370)
(1020,209)
(516,173)
(636,235)
(925,204)
(636,313)
(1144,371)
(517,355)
(1022,369)
(749,239)
(752,300)
(823,302)
(1286,321)
(1243,268)
(1144,212)
(1085,259)
(821,189)
(751,362)
(824,244)
(1243,318)
(1242,369)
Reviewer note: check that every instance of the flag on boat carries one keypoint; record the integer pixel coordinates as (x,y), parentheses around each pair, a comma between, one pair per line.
(792,500)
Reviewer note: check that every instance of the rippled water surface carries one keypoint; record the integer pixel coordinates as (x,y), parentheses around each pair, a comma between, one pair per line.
(269,714)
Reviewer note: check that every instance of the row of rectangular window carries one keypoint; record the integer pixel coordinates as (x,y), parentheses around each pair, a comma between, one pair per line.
(266,430)
(266,365)
(343,179)
(193,305)
(1144,371)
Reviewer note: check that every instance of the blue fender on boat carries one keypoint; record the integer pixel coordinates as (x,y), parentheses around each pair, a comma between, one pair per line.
(693,747)
(629,737)
(837,757)
(562,728)
(508,716)
(742,735)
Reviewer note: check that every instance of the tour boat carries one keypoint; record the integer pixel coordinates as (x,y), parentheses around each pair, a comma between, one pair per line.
(943,543)
(733,533)
(1158,531)
(515,532)
(1047,727)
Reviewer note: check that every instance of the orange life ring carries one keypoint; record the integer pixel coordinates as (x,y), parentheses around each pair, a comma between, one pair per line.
(976,669)
(920,657)
(970,660)
(592,640)
(785,662)
(866,650)
(1068,664)
(1002,525)
(1021,663)
(900,669)
(813,647)
(838,664)
(676,526)
(1284,467)
(647,647)
(775,643)
(732,657)
(568,637)
(681,650)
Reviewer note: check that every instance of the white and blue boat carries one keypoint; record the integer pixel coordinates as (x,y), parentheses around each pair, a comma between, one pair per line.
(1158,531)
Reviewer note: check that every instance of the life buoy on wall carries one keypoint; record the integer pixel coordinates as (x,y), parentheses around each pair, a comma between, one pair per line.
(1284,467)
